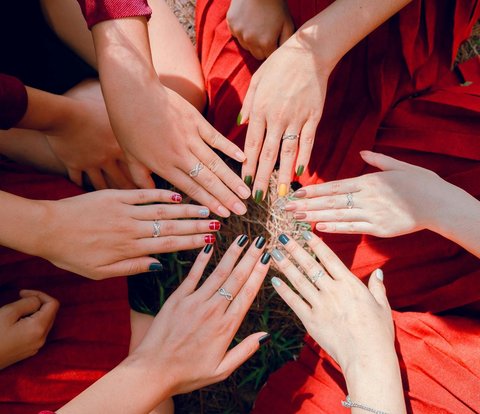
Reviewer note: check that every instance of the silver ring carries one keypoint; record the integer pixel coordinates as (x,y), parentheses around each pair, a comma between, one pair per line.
(291,137)
(349,200)
(227,295)
(196,170)
(317,275)
(156,229)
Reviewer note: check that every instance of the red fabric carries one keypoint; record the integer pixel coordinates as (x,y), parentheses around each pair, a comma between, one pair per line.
(394,93)
(96,11)
(13,101)
(91,331)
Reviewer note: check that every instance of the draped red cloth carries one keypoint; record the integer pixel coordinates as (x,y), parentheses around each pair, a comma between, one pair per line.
(92,328)
(394,93)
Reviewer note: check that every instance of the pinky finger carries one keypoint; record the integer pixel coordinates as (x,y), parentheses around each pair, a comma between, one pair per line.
(307,138)
(96,179)
(129,267)
(346,228)
(293,300)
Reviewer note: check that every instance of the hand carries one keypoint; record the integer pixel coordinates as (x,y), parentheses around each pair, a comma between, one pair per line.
(110,232)
(260,26)
(24,325)
(401,199)
(285,97)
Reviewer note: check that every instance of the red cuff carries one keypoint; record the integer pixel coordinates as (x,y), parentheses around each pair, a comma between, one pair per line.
(96,11)
(13,101)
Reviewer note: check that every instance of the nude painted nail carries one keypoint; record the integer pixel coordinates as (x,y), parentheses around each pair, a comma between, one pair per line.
(276,281)
(300,193)
(299,216)
(223,211)
(204,212)
(243,192)
(290,207)
(240,156)
(321,226)
(282,190)
(239,208)
(214,225)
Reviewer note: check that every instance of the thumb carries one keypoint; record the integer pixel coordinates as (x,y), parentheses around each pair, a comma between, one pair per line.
(383,162)
(23,307)
(377,288)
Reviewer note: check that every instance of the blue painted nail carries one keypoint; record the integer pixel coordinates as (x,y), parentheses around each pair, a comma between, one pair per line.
(307,235)
(260,242)
(155,267)
(242,240)
(379,274)
(203,212)
(265,258)
(207,248)
(283,239)
(277,255)
(264,339)
(276,281)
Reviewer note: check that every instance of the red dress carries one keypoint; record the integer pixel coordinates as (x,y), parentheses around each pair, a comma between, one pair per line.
(13,101)
(394,93)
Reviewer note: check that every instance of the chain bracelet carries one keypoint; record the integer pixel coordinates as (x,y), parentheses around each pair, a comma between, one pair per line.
(350,404)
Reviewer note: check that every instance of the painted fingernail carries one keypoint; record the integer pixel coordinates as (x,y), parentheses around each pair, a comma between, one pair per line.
(277,255)
(299,216)
(300,170)
(204,212)
(260,242)
(265,258)
(307,235)
(214,225)
(290,207)
(242,240)
(276,281)
(239,208)
(223,211)
(207,248)
(283,238)
(177,198)
(209,238)
(155,267)
(300,193)
(248,180)
(379,274)
(258,196)
(240,156)
(320,226)
(243,191)
(282,190)
(264,339)
(239,119)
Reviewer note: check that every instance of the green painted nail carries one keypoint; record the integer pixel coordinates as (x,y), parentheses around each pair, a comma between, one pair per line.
(275,281)
(258,196)
(248,180)
(300,170)
(239,119)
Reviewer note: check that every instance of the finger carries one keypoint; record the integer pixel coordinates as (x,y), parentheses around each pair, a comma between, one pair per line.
(116,178)
(216,140)
(190,283)
(287,31)
(169,244)
(96,178)
(128,267)
(301,309)
(350,185)
(257,52)
(268,47)
(47,312)
(161,228)
(377,288)
(245,111)
(383,162)
(343,215)
(347,201)
(346,228)
(75,176)
(149,196)
(288,153)
(141,175)
(307,138)
(253,146)
(21,308)
(168,212)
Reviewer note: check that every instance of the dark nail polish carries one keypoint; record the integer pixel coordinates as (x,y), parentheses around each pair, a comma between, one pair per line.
(260,242)
(299,216)
(214,225)
(258,196)
(300,193)
(248,180)
(300,170)
(265,339)
(239,119)
(283,238)
(207,248)
(209,238)
(265,258)
(242,240)
(155,267)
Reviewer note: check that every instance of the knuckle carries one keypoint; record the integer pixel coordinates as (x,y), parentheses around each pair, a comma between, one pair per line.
(213,164)
(168,244)
(168,227)
(308,139)
(269,154)
(160,211)
(215,139)
(331,203)
(335,187)
(339,215)
(289,151)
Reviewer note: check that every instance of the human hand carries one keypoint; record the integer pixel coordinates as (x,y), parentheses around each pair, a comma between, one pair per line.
(111,232)
(260,26)
(24,325)
(285,98)
(401,199)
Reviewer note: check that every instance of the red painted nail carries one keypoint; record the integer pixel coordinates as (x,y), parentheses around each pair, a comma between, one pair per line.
(209,238)
(214,225)
(177,198)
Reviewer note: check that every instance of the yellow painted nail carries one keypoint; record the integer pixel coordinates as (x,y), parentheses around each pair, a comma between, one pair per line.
(282,190)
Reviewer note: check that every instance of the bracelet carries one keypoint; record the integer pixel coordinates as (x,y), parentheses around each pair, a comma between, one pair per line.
(350,404)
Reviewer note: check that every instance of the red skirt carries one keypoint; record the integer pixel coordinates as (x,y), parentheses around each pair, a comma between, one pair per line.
(394,93)
(92,328)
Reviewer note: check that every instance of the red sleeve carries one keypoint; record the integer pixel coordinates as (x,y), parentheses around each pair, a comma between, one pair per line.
(46,412)
(13,101)
(96,11)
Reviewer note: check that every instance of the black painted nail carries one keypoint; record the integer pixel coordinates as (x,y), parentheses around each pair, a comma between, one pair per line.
(207,248)
(248,180)
(265,339)
(260,242)
(242,240)
(155,267)
(258,196)
(265,258)
(283,239)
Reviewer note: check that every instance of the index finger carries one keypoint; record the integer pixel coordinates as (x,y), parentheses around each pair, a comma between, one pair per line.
(216,140)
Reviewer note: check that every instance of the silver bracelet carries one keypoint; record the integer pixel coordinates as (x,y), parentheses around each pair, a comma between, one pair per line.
(350,404)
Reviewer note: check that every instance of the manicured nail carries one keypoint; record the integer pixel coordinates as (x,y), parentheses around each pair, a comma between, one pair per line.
(277,255)
(276,281)
(177,198)
(214,225)
(239,208)
(239,119)
(379,274)
(321,226)
(264,339)
(258,196)
(265,258)
(283,238)
(242,240)
(300,170)
(299,216)
(204,212)
(300,193)
(240,156)
(155,267)
(207,248)
(282,190)
(260,242)
(290,207)
(248,180)
(223,211)
(243,191)
(209,238)
(307,235)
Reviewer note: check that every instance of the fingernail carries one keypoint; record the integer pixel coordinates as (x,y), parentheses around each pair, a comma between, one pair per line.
(204,212)
(258,196)
(223,211)
(264,339)
(379,274)
(239,208)
(283,238)
(265,258)
(214,225)
(248,180)
(260,242)
(299,216)
(243,192)
(239,119)
(209,238)
(242,240)
(300,170)
(277,255)
(177,198)
(155,267)
(300,193)
(240,156)
(282,190)
(307,235)
(276,281)
(290,207)
(320,226)
(207,248)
